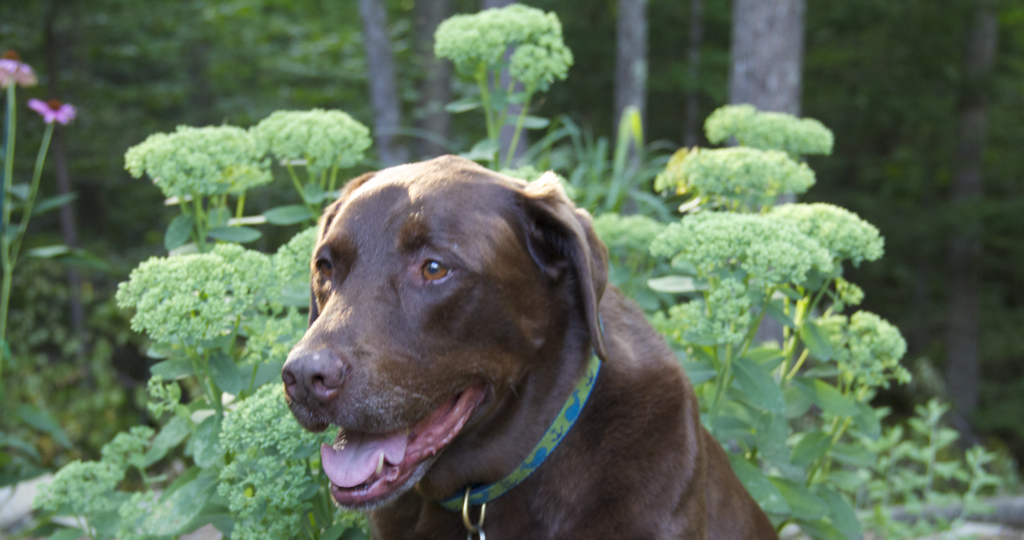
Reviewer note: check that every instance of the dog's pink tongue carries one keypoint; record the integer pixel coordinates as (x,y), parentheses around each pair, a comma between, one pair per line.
(356,461)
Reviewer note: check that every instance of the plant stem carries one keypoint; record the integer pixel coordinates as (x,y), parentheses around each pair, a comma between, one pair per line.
(26,212)
(519,128)
(722,381)
(333,184)
(240,207)
(5,216)
(201,223)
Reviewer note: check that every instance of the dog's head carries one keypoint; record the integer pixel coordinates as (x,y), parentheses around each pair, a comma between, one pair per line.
(435,285)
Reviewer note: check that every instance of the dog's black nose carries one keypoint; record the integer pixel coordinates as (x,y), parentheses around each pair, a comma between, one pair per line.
(313,376)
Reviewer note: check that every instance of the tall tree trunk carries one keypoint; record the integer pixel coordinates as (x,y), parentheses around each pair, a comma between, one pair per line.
(435,90)
(692,127)
(387,111)
(766,72)
(965,248)
(55,46)
(631,61)
(514,109)
(767,54)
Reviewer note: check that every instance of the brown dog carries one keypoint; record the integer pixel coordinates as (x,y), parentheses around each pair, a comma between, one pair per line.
(454,311)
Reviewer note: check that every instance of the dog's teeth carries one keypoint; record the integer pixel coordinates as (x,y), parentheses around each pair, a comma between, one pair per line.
(380,464)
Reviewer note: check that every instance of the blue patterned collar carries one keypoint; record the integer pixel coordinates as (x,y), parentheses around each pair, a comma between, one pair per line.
(554,435)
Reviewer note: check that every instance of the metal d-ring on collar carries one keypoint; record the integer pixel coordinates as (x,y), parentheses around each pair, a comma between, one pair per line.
(477,529)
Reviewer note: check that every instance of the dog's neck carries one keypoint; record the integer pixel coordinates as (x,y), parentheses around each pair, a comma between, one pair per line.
(506,433)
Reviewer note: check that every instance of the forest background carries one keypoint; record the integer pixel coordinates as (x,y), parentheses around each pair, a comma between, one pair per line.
(924,97)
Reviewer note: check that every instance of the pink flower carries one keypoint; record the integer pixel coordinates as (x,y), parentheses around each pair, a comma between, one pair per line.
(53,110)
(14,71)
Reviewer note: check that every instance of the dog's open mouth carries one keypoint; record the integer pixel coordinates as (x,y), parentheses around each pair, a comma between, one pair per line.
(367,469)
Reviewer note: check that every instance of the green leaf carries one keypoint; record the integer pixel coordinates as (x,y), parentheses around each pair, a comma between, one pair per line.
(841,513)
(820,529)
(266,373)
(20,444)
(43,421)
(226,374)
(770,437)
(675,284)
(288,215)
(698,372)
(867,421)
(774,309)
(241,235)
(484,150)
(67,534)
(334,533)
(20,190)
(169,437)
(177,510)
(853,454)
(846,480)
(759,385)
(312,193)
(218,217)
(48,252)
(51,203)
(205,442)
(178,232)
(812,446)
(814,339)
(828,397)
(173,369)
(532,122)
(463,105)
(802,503)
(764,492)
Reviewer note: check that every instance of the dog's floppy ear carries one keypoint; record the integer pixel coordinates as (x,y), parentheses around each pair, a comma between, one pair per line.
(324,225)
(561,239)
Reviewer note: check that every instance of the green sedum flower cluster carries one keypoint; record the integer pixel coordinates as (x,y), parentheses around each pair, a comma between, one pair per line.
(843,233)
(753,177)
(479,41)
(771,252)
(768,130)
(721,318)
(193,298)
(269,478)
(200,161)
(292,260)
(867,349)
(324,138)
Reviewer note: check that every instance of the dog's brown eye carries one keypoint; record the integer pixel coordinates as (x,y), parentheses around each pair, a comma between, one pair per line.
(324,267)
(433,271)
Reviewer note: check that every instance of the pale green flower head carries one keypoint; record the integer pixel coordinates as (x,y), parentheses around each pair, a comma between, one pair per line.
(724,318)
(747,175)
(128,448)
(199,161)
(292,260)
(81,488)
(324,138)
(268,475)
(771,252)
(481,39)
(768,130)
(629,232)
(192,298)
(845,234)
(263,422)
(271,338)
(867,349)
